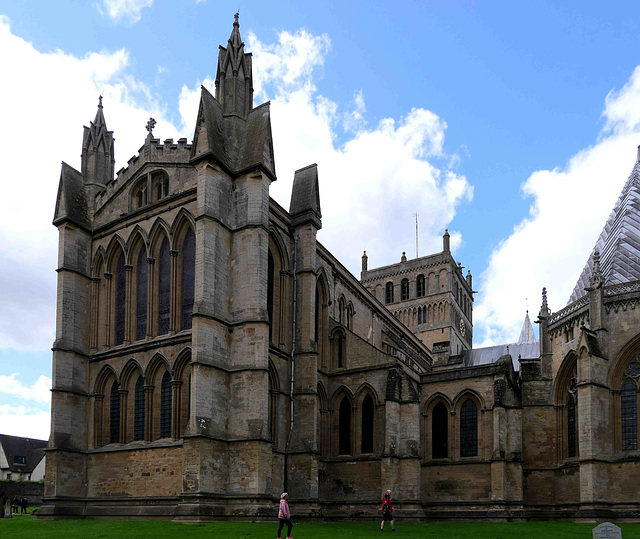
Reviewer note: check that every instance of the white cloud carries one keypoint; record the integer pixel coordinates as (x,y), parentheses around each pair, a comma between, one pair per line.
(26,422)
(38,392)
(118,10)
(46,127)
(569,208)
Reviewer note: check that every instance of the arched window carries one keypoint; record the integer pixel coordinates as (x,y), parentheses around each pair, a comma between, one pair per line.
(188,278)
(419,315)
(342,306)
(121,294)
(164,288)
(367,424)
(440,432)
(572,412)
(270,289)
(139,195)
(138,416)
(420,286)
(344,434)
(114,414)
(165,406)
(469,429)
(404,290)
(389,293)
(141,294)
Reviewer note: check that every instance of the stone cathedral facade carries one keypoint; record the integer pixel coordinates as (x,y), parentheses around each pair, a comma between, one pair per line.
(210,353)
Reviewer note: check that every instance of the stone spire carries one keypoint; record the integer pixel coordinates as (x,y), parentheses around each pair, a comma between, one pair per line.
(365,261)
(98,158)
(234,78)
(446,241)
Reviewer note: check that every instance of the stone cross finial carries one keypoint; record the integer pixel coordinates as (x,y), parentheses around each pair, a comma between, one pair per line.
(100,101)
(150,125)
(235,18)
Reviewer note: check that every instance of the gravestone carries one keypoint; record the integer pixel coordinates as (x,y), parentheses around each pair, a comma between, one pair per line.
(607,530)
(6,507)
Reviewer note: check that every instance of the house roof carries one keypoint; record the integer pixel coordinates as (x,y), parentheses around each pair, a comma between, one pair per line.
(15,446)
(619,242)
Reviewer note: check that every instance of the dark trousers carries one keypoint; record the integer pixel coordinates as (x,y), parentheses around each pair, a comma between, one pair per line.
(282,523)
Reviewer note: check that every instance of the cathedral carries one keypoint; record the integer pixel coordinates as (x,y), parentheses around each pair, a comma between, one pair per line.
(210,353)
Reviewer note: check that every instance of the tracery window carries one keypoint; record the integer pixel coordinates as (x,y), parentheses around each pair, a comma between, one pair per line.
(367,424)
(164,288)
(440,432)
(188,278)
(404,289)
(344,434)
(165,406)
(629,413)
(420,286)
(138,417)
(389,293)
(121,290)
(572,411)
(114,414)
(141,294)
(469,429)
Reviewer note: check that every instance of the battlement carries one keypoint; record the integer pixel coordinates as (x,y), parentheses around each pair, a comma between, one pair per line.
(154,151)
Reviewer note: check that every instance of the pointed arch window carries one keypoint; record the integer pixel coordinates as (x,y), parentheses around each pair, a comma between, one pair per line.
(121,292)
(629,408)
(164,288)
(440,432)
(389,292)
(165,406)
(114,414)
(270,293)
(141,294)
(469,429)
(367,424)
(572,413)
(344,434)
(188,278)
(138,415)
(404,290)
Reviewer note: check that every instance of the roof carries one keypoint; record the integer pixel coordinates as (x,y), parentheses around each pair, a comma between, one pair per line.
(619,242)
(527,347)
(15,446)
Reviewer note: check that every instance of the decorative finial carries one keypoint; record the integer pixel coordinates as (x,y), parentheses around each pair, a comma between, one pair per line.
(597,279)
(100,101)
(235,18)
(544,310)
(150,125)
(365,260)
(403,258)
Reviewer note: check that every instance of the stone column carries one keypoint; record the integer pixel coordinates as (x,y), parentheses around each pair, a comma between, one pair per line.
(108,311)
(148,413)
(175,281)
(129,302)
(150,298)
(176,394)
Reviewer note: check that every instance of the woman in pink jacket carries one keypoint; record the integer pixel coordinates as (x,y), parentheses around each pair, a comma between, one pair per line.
(284,516)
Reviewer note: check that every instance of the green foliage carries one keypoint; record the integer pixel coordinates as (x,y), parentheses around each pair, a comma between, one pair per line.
(27,527)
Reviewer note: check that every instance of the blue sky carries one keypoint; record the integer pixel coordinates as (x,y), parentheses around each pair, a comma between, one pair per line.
(512,125)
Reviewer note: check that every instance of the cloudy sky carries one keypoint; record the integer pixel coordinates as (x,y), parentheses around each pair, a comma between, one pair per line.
(514,127)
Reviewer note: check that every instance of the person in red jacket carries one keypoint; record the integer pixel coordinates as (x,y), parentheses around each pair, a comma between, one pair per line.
(387,511)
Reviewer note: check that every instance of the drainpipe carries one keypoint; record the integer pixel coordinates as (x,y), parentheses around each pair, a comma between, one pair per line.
(293,362)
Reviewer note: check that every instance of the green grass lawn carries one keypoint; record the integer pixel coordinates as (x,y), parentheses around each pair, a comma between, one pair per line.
(26,526)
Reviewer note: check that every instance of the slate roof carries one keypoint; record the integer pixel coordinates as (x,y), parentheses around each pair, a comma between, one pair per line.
(527,347)
(619,242)
(15,446)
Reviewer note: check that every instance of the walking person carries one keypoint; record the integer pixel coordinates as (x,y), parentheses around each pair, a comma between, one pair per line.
(284,516)
(387,511)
